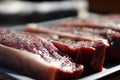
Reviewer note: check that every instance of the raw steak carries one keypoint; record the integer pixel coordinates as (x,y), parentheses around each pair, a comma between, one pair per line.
(90,53)
(107,26)
(34,56)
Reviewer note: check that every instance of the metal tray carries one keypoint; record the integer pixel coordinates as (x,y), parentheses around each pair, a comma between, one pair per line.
(110,69)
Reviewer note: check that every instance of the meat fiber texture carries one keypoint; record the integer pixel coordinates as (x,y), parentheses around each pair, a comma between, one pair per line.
(109,25)
(90,53)
(33,56)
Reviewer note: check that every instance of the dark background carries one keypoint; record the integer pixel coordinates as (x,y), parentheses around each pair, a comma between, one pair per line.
(104,6)
(35,16)
(95,6)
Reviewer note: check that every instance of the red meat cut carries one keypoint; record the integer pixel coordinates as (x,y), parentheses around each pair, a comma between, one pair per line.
(32,55)
(108,26)
(90,53)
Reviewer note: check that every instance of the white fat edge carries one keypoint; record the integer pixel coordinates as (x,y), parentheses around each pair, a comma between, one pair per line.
(39,62)
(46,65)
(114,25)
(25,54)
(56,64)
(37,58)
(105,42)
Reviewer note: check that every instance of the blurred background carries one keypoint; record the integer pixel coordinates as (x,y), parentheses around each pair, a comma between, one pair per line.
(15,12)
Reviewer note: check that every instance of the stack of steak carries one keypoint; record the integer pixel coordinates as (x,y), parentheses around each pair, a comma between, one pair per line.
(107,26)
(64,51)
(90,53)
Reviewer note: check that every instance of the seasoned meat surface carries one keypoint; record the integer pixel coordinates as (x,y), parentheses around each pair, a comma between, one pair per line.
(82,51)
(36,45)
